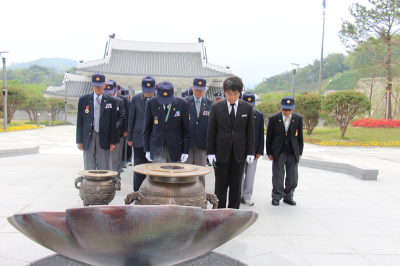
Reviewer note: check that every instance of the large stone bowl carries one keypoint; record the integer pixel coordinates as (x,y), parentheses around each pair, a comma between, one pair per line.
(133,235)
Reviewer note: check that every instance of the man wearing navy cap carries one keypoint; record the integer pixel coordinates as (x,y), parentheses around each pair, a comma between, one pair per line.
(96,125)
(230,142)
(115,157)
(199,111)
(166,124)
(122,151)
(250,169)
(285,147)
(136,125)
(217,96)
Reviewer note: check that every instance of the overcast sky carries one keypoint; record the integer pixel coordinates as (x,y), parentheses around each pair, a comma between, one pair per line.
(256,39)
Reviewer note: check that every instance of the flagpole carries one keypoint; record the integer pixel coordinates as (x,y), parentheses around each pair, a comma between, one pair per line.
(322,56)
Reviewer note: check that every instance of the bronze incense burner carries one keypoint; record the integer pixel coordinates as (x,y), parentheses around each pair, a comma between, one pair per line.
(97,187)
(172,184)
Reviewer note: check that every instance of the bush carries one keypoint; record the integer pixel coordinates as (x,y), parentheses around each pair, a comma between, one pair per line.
(371,122)
(309,106)
(268,109)
(343,106)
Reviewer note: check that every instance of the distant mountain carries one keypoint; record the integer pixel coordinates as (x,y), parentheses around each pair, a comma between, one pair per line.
(61,64)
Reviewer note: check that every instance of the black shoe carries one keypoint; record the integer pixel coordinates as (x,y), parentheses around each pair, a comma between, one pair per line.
(275,202)
(290,202)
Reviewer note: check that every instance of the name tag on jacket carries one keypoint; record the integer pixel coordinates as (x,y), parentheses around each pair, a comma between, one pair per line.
(244,115)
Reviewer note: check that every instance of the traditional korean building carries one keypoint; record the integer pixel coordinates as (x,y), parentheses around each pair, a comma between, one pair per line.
(128,62)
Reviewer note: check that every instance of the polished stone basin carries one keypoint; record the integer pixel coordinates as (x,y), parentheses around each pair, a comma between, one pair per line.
(133,235)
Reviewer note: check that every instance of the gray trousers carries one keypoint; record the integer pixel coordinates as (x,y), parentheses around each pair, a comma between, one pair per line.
(248,180)
(163,157)
(279,165)
(95,158)
(116,157)
(198,157)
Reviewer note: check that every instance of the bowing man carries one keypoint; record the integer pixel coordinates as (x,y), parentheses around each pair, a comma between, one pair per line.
(166,135)
(230,141)
(199,111)
(96,125)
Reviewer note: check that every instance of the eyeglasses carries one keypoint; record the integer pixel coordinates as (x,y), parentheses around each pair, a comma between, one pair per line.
(287,110)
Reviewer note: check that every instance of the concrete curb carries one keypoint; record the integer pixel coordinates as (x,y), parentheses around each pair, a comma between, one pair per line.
(17,151)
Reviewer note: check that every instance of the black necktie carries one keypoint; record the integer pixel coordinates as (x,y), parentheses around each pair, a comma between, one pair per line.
(232,115)
(165,110)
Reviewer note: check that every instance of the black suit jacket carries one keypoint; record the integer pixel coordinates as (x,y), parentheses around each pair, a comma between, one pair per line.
(276,134)
(126,108)
(120,119)
(107,123)
(198,126)
(176,132)
(221,134)
(258,132)
(136,120)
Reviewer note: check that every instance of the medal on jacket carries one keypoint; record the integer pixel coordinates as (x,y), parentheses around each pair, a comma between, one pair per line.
(87,109)
(189,116)
(156,120)
(297,132)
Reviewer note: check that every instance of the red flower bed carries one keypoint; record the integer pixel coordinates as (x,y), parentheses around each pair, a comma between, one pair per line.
(371,122)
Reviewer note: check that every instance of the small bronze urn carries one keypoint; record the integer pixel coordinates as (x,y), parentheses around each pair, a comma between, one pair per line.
(172,184)
(97,187)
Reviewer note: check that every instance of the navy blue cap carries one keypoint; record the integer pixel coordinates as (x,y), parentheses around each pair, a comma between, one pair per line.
(119,88)
(190,91)
(218,95)
(109,89)
(98,79)
(287,103)
(250,98)
(165,92)
(126,91)
(113,81)
(199,83)
(148,85)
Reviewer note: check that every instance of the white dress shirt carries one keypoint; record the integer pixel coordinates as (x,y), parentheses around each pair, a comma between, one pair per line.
(230,107)
(287,122)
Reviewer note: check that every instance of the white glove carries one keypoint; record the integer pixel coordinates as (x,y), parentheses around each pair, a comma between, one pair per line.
(184,157)
(250,159)
(211,158)
(148,157)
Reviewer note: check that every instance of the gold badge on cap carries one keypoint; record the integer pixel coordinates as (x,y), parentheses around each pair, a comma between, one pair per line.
(108,87)
(148,84)
(249,99)
(288,101)
(98,79)
(165,94)
(200,82)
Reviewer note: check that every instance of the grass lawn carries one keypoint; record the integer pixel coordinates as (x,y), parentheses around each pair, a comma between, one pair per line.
(355,134)
(14,123)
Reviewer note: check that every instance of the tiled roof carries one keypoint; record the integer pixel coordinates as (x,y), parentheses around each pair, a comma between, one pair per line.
(75,89)
(211,90)
(156,64)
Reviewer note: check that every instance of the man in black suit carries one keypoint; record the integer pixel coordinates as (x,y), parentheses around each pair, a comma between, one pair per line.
(230,141)
(250,169)
(115,159)
(285,147)
(96,125)
(166,135)
(199,112)
(136,125)
(122,148)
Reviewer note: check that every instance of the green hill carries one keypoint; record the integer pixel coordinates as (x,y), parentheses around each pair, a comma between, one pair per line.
(59,64)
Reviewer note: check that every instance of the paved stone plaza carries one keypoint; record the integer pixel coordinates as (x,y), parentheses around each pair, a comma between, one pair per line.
(339,219)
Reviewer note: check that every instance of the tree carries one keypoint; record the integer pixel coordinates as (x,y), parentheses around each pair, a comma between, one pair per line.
(37,104)
(17,98)
(309,106)
(343,106)
(268,108)
(373,33)
(57,105)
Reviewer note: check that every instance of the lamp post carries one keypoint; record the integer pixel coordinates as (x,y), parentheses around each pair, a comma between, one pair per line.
(294,77)
(4,90)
